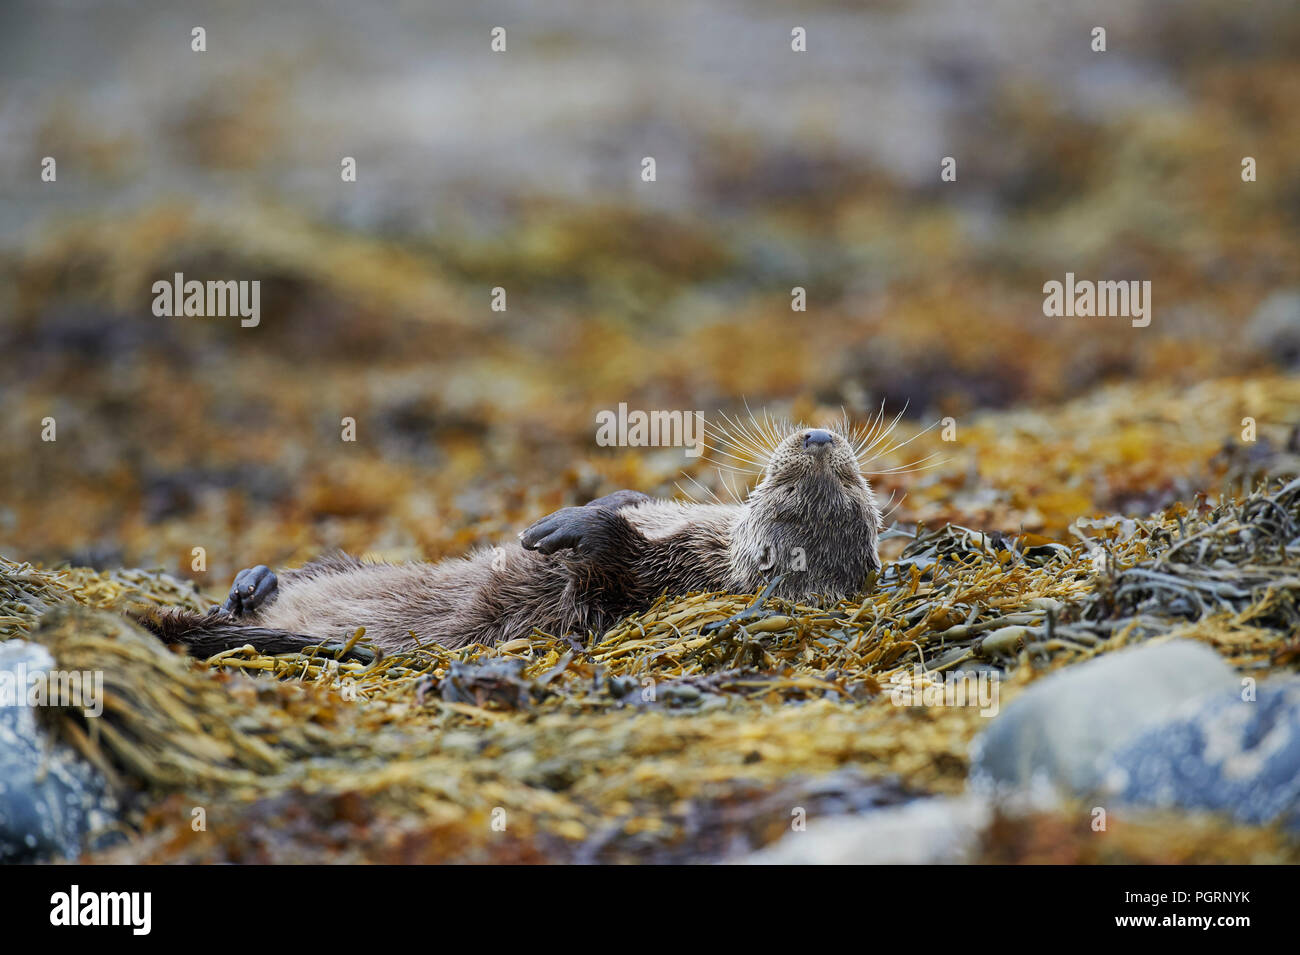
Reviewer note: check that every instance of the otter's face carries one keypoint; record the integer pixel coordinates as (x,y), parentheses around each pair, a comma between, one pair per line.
(813,477)
(814,454)
(812,518)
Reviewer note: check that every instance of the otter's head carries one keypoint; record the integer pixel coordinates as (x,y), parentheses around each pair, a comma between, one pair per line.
(812,518)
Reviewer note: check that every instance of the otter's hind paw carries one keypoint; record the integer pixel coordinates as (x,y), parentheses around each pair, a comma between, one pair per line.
(253,588)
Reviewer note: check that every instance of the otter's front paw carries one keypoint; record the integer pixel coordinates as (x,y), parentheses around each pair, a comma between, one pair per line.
(253,588)
(576,527)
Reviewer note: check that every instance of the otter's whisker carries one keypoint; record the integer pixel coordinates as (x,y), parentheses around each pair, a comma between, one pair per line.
(707,490)
(745,453)
(741,466)
(742,472)
(887,432)
(745,439)
(766,434)
(901,444)
(911,467)
(893,505)
(750,465)
(728,485)
(865,432)
(743,442)
(722,441)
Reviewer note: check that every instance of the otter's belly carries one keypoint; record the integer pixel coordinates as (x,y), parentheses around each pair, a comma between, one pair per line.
(389,601)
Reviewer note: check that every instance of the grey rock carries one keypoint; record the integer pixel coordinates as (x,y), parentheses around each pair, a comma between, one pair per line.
(1275,328)
(1062,730)
(50,798)
(1220,754)
(939,831)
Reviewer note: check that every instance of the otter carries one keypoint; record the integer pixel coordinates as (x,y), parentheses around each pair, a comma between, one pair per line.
(811,523)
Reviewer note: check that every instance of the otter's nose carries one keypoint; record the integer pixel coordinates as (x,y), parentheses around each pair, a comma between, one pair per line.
(817,437)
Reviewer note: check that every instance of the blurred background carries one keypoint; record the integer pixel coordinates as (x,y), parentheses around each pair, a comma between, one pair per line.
(521,170)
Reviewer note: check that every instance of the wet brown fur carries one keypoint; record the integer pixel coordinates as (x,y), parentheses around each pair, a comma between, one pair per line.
(812,518)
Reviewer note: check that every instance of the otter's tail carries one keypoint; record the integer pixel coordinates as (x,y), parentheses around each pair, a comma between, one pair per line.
(205,635)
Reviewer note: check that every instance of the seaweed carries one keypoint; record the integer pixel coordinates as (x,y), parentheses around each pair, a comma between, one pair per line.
(696,712)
